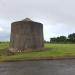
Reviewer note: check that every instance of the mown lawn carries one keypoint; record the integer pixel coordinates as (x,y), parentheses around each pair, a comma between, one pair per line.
(55,51)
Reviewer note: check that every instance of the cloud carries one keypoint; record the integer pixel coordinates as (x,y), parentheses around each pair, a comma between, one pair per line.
(1,29)
(54,11)
(5,30)
(5,37)
(57,16)
(4,34)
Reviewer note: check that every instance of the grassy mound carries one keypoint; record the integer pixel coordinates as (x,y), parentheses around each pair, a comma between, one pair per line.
(55,51)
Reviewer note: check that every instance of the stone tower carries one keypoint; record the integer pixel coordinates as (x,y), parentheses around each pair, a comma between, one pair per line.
(26,34)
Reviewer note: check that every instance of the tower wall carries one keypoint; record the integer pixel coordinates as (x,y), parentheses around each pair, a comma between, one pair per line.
(26,35)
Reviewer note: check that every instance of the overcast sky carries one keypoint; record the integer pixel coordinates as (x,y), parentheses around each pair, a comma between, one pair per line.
(57,16)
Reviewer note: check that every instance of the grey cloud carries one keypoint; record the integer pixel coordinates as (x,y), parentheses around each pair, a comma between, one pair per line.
(49,12)
(54,10)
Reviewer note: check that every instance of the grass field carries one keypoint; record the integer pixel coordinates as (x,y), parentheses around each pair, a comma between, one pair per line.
(55,51)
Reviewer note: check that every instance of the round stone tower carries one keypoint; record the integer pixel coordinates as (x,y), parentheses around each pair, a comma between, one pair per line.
(26,34)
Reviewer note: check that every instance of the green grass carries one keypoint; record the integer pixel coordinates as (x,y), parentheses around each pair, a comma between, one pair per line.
(3,48)
(55,51)
(4,45)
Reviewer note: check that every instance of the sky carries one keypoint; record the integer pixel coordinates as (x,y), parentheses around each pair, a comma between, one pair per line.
(57,16)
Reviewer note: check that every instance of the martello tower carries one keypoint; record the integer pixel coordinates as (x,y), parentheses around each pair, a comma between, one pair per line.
(26,34)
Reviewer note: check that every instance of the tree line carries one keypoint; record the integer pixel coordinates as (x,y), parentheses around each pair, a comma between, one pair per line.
(63,39)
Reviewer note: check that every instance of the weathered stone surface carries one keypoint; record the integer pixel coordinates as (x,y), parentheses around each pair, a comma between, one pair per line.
(26,34)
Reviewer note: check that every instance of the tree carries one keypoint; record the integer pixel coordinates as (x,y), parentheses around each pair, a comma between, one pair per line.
(71,37)
(52,40)
(62,38)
